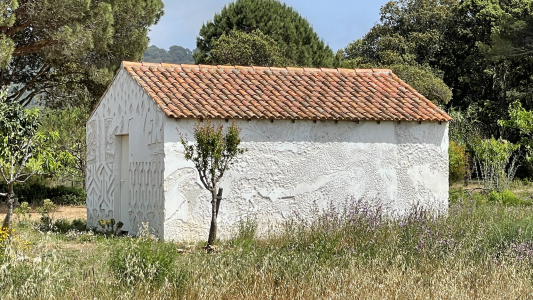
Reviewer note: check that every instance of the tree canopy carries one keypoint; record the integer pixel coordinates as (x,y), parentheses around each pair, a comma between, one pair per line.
(66,51)
(247,49)
(292,33)
(175,55)
(460,42)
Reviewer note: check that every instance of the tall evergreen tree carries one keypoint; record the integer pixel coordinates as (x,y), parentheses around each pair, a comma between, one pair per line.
(295,37)
(68,50)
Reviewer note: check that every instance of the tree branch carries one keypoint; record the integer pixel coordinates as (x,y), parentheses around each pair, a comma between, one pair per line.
(26,86)
(28,176)
(27,155)
(33,48)
(3,174)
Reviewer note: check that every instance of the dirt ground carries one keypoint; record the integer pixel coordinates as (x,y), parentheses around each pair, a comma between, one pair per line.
(67,212)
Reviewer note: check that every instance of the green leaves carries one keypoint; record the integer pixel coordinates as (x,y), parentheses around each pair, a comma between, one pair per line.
(247,49)
(69,123)
(213,151)
(24,151)
(425,81)
(522,120)
(293,35)
(480,49)
(68,50)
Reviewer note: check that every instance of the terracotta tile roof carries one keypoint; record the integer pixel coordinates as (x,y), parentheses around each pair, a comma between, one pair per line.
(203,91)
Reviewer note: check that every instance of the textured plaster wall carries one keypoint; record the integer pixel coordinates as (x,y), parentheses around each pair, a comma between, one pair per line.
(302,166)
(126,110)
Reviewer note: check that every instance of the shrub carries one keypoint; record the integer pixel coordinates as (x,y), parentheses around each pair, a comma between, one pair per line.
(506,197)
(37,191)
(79,224)
(458,161)
(23,212)
(143,260)
(496,162)
(509,197)
(47,215)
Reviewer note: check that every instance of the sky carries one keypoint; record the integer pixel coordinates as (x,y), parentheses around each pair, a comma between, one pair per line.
(338,22)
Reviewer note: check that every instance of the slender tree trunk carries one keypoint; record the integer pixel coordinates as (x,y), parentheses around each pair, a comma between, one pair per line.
(213,228)
(10,201)
(84,174)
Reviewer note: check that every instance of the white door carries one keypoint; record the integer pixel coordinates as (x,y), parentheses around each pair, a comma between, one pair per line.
(125,184)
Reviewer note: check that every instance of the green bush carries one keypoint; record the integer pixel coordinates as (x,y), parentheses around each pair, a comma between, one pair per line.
(79,224)
(145,260)
(36,192)
(507,197)
(458,162)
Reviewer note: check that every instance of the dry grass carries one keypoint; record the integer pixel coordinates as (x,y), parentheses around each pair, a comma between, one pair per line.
(477,252)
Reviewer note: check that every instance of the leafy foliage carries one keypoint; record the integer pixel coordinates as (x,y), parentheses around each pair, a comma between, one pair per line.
(454,38)
(247,49)
(24,151)
(175,55)
(7,19)
(213,151)
(458,161)
(69,123)
(66,51)
(506,197)
(292,33)
(35,191)
(494,164)
(521,120)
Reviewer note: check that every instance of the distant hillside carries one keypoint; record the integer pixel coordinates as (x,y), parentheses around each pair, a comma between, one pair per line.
(175,55)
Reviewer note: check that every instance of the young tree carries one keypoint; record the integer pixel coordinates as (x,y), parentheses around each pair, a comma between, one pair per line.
(69,123)
(24,150)
(293,34)
(247,49)
(212,153)
(68,50)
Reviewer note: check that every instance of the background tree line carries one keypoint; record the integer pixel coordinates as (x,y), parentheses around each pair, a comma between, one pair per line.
(471,57)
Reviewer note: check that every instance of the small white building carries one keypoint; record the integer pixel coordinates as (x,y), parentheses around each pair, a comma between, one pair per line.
(314,136)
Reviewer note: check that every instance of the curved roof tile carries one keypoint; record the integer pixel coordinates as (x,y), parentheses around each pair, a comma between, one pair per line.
(204,91)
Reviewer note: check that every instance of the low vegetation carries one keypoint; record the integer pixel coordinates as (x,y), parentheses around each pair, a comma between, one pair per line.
(482,249)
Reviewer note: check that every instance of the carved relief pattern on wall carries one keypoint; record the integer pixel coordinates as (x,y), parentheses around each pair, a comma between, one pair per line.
(125,110)
(298,168)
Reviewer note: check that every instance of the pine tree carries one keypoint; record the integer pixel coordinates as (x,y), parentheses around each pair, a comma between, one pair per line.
(293,34)
(68,50)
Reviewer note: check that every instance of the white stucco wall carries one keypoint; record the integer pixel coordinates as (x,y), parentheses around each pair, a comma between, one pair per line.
(303,165)
(126,109)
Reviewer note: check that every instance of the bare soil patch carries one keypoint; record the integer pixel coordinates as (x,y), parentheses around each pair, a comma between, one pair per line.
(67,212)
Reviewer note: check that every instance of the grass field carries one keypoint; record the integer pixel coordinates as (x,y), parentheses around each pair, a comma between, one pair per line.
(481,250)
